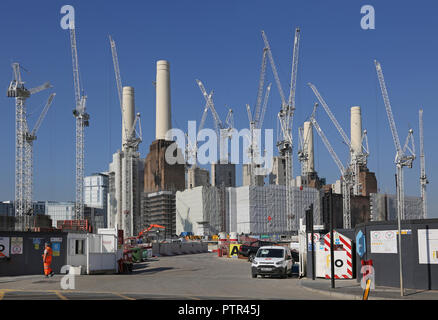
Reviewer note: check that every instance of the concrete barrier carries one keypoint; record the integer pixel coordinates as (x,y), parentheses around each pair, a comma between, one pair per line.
(177,248)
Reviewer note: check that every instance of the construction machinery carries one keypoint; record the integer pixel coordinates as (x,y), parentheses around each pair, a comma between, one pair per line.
(285,117)
(402,159)
(256,119)
(357,159)
(149,228)
(423,177)
(82,121)
(24,140)
(222,132)
(192,147)
(30,138)
(346,176)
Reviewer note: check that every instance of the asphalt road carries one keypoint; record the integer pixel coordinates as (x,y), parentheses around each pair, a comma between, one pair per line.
(192,277)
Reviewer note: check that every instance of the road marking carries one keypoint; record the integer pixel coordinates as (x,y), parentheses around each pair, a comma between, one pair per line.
(122,296)
(59,294)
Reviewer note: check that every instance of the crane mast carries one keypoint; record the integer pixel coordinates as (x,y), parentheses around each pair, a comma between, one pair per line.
(30,137)
(285,116)
(23,149)
(82,121)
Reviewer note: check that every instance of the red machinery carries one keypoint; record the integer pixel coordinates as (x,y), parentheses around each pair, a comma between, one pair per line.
(142,233)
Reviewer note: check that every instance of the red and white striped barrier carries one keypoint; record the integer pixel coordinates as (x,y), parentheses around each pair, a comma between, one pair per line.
(342,254)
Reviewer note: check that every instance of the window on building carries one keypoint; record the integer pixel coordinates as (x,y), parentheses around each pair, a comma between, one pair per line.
(80,247)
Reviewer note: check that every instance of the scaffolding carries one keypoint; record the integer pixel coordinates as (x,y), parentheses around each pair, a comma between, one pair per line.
(263,210)
(384,207)
(160,208)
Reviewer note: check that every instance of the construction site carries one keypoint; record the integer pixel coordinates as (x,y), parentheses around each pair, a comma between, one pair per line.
(145,207)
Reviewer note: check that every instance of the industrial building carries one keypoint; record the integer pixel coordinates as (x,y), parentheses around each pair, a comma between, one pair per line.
(162,178)
(197,177)
(159,208)
(223,174)
(126,174)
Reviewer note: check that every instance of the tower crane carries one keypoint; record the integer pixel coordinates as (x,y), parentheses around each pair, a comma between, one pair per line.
(401,160)
(30,138)
(356,159)
(285,116)
(423,177)
(130,148)
(82,121)
(303,155)
(345,172)
(23,167)
(192,150)
(222,131)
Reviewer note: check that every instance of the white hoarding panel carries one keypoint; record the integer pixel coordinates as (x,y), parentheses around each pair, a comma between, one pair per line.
(428,246)
(383,241)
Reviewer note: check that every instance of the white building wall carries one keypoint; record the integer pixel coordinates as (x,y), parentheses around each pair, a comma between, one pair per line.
(262,210)
(116,194)
(59,211)
(95,191)
(198,211)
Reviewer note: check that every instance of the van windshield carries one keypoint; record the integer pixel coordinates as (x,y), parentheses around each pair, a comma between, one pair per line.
(270,253)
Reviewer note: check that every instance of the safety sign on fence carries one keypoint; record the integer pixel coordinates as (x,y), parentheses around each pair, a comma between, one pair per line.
(36,243)
(4,247)
(342,254)
(16,245)
(56,247)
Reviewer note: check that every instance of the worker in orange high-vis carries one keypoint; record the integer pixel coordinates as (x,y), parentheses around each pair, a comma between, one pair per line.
(47,260)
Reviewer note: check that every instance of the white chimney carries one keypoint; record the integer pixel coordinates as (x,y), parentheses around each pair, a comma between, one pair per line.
(128,114)
(356,130)
(163,115)
(308,140)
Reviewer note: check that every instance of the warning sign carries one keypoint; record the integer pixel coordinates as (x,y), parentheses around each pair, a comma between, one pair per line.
(234,250)
(56,247)
(384,241)
(16,245)
(4,247)
(36,243)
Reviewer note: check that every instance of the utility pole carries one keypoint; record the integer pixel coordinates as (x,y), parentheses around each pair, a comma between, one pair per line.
(332,252)
(309,226)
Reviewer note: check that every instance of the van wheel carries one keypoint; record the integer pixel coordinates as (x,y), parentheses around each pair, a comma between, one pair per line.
(284,274)
(251,257)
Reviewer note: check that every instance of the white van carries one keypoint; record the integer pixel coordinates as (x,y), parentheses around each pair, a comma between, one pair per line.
(272,260)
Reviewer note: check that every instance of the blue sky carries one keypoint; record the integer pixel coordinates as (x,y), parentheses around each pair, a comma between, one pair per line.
(219,42)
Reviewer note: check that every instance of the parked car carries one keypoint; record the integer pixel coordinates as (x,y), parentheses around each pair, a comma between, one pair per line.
(250,250)
(272,260)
